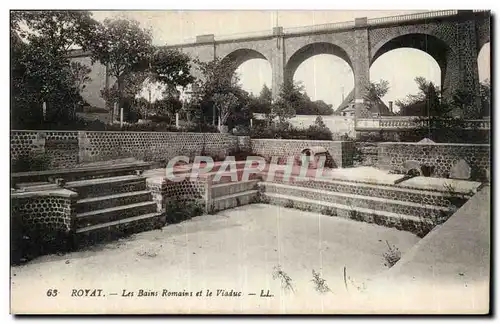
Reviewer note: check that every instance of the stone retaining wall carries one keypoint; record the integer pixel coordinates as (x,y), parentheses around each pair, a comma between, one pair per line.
(164,190)
(366,153)
(341,152)
(41,219)
(153,146)
(68,148)
(440,156)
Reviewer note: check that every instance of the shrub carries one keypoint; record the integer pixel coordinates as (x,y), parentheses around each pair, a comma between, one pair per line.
(392,255)
(319,122)
(313,132)
(241,130)
(199,128)
(320,284)
(30,162)
(286,281)
(180,210)
(289,204)
(150,126)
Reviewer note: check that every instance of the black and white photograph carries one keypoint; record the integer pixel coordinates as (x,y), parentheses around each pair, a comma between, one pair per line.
(313,162)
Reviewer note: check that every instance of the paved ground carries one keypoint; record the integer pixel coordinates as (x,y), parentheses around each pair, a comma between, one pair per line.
(460,186)
(365,174)
(448,270)
(234,250)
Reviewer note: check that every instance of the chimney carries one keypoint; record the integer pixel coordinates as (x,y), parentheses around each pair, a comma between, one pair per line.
(390,106)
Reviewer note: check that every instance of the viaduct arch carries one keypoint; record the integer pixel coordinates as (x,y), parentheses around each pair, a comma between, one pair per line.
(452,37)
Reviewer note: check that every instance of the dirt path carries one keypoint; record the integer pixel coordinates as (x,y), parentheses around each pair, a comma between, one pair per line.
(233,250)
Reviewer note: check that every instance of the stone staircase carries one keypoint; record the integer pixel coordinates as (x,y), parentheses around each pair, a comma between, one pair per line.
(415,210)
(110,207)
(226,194)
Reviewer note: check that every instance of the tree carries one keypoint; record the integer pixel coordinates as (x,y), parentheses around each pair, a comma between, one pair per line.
(266,96)
(220,82)
(438,118)
(62,29)
(289,100)
(319,122)
(226,104)
(375,92)
(40,68)
(428,98)
(171,68)
(323,108)
(218,76)
(80,74)
(124,47)
(132,84)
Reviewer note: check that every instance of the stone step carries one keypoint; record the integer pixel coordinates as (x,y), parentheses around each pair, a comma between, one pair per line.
(233,200)
(82,172)
(348,199)
(120,199)
(395,192)
(226,177)
(115,229)
(100,216)
(107,186)
(416,225)
(223,189)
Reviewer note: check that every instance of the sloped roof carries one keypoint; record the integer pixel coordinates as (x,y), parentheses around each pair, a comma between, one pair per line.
(348,108)
(379,108)
(347,101)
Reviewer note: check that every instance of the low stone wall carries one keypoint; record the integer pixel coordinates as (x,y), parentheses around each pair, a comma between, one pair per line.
(152,146)
(68,148)
(340,151)
(366,153)
(60,147)
(164,190)
(43,219)
(439,156)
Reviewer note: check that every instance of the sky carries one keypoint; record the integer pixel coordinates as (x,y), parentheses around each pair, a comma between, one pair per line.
(325,77)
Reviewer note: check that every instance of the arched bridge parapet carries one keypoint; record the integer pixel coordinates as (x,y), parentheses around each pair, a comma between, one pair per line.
(300,48)
(245,50)
(427,43)
(446,32)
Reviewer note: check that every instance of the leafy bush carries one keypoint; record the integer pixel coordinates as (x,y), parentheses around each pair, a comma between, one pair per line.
(313,132)
(30,162)
(241,130)
(199,128)
(180,210)
(320,284)
(392,255)
(97,125)
(319,122)
(286,281)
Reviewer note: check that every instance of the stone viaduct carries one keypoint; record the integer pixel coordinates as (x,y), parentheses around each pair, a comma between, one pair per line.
(452,37)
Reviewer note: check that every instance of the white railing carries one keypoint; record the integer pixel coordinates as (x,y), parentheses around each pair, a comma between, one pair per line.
(317,28)
(337,26)
(409,122)
(415,16)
